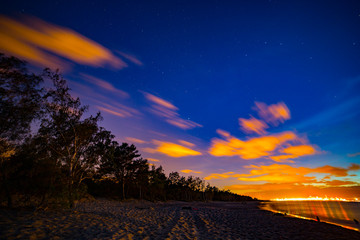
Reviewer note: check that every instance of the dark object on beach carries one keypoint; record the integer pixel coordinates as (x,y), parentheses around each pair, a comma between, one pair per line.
(187,208)
(356,221)
(279,214)
(142,208)
(318,219)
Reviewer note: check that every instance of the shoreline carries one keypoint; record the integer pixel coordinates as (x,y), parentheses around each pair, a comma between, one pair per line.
(263,206)
(109,219)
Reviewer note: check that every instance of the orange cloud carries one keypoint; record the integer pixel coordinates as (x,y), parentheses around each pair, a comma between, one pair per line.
(134,140)
(253,125)
(274,114)
(153,160)
(294,152)
(221,175)
(252,148)
(167,110)
(41,43)
(223,133)
(172,149)
(269,146)
(104,84)
(160,101)
(277,173)
(189,171)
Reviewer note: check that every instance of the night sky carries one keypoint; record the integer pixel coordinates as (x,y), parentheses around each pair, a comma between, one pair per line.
(259,97)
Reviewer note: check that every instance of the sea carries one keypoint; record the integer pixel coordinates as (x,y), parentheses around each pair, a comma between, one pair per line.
(340,213)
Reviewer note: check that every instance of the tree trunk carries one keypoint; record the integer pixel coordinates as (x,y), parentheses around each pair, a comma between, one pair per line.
(140,194)
(6,187)
(70,195)
(123,189)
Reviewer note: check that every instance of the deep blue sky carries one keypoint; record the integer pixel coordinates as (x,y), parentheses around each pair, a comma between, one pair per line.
(213,60)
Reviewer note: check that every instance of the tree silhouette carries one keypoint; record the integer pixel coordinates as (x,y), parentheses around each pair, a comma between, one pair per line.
(68,137)
(20,101)
(119,163)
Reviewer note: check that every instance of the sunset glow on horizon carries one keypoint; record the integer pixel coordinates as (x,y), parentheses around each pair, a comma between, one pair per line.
(317,199)
(262,98)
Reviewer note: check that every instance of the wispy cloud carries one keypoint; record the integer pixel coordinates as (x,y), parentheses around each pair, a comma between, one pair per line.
(253,125)
(189,171)
(117,109)
(274,113)
(220,175)
(104,85)
(102,101)
(153,159)
(168,111)
(172,149)
(135,140)
(186,143)
(131,58)
(354,154)
(44,44)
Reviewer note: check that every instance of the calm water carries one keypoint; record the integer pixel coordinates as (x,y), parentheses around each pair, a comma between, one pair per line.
(340,213)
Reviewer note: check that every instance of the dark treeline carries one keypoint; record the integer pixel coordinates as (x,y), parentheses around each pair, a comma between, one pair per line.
(50,153)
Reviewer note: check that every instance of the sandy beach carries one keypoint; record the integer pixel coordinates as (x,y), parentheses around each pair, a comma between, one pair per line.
(105,219)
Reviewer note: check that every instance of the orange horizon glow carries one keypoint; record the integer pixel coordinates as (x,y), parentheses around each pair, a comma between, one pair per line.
(310,198)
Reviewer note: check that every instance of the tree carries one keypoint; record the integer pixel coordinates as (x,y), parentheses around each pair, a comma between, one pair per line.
(119,163)
(20,98)
(140,175)
(157,183)
(20,101)
(69,138)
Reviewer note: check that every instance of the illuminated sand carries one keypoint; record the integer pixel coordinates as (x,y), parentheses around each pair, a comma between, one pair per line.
(103,219)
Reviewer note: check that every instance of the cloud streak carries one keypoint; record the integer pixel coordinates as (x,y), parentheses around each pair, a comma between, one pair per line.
(134,140)
(172,149)
(189,171)
(253,125)
(103,102)
(43,44)
(168,111)
(354,154)
(104,85)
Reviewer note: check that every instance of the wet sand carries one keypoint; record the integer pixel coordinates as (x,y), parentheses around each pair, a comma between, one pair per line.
(105,219)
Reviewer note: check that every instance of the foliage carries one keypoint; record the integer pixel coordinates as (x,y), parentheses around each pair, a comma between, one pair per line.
(20,102)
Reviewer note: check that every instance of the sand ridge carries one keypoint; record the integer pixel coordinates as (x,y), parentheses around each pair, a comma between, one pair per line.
(105,219)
